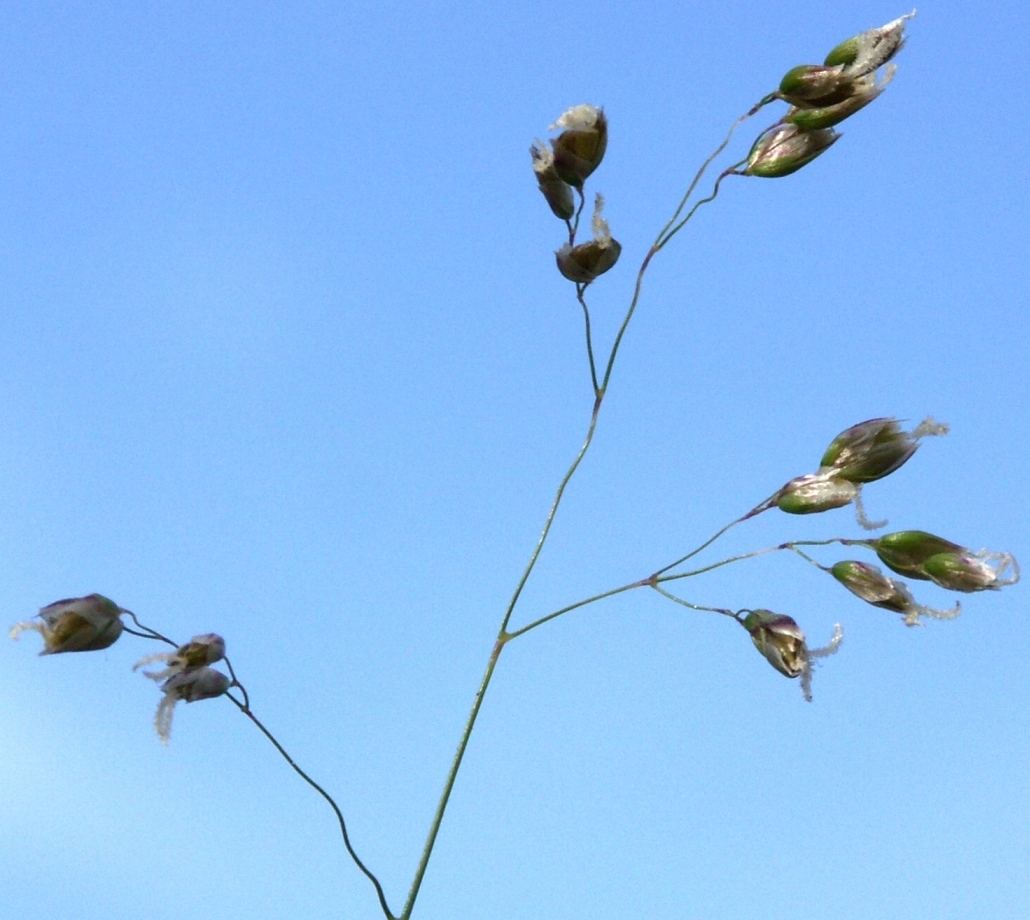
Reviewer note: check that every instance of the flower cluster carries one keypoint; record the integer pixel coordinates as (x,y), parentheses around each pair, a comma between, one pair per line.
(926,557)
(93,622)
(187,676)
(564,166)
(861,454)
(922,555)
(822,96)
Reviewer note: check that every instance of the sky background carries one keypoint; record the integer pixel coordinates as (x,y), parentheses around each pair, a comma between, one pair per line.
(284,355)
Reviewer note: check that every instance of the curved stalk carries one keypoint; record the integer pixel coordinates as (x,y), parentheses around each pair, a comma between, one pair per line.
(244,707)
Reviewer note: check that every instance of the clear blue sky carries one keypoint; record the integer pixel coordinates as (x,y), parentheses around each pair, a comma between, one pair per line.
(284,356)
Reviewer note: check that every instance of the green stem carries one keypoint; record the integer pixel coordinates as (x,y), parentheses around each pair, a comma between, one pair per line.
(574,226)
(625,322)
(808,558)
(698,549)
(502,633)
(758,509)
(731,171)
(434,829)
(654,580)
(580,289)
(679,600)
(578,604)
(502,637)
(765,100)
(148,632)
(657,579)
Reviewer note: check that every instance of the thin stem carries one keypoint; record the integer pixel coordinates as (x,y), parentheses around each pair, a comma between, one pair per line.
(665,234)
(142,635)
(704,166)
(658,578)
(731,171)
(654,580)
(629,315)
(434,829)
(244,707)
(502,638)
(808,558)
(574,227)
(703,546)
(236,683)
(679,600)
(843,541)
(758,509)
(502,633)
(149,633)
(790,545)
(577,605)
(656,247)
(580,290)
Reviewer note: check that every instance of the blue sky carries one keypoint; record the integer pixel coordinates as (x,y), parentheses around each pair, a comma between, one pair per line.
(284,356)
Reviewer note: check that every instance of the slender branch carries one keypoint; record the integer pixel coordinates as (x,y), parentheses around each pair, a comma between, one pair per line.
(133,632)
(808,558)
(765,100)
(244,707)
(731,171)
(651,582)
(236,683)
(580,290)
(629,315)
(550,516)
(697,550)
(656,247)
(654,580)
(574,226)
(577,605)
(658,578)
(790,545)
(148,632)
(679,600)
(758,509)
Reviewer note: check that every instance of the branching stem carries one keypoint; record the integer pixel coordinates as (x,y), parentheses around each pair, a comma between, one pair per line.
(503,636)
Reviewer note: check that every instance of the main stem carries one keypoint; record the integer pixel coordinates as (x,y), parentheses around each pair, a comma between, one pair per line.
(502,639)
(451,776)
